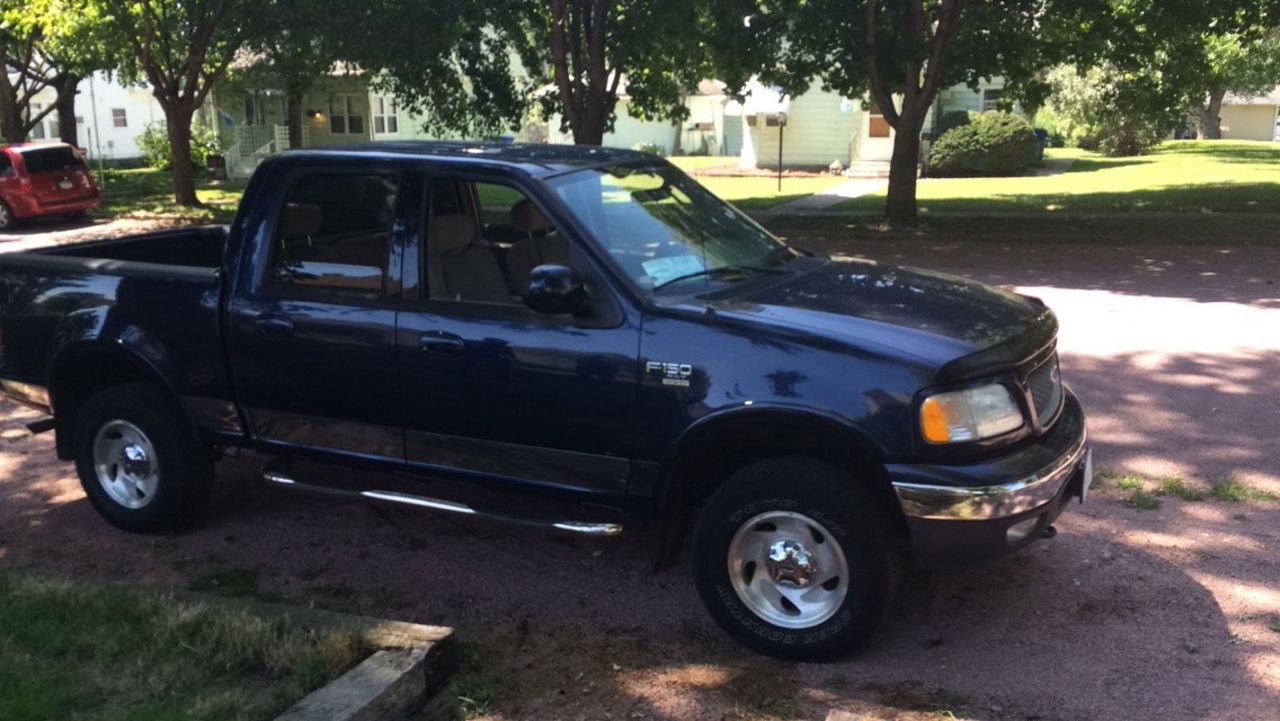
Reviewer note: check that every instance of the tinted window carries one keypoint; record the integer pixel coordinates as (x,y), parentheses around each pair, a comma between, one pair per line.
(45,160)
(5,163)
(334,231)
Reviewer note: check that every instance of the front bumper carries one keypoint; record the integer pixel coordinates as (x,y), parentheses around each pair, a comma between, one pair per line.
(965,514)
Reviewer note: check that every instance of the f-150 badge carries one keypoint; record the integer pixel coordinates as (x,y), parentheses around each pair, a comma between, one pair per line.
(672,374)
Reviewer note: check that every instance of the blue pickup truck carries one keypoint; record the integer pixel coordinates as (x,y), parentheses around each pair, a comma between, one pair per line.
(578,338)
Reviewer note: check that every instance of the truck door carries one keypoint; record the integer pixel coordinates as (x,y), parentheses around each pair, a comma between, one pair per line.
(489,387)
(312,329)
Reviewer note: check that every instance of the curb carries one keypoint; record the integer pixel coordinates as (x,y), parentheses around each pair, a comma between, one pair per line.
(410,672)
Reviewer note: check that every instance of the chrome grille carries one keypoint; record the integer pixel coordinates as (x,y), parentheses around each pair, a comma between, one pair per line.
(1045,384)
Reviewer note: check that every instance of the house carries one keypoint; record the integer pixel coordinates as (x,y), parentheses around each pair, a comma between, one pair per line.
(109,117)
(341,108)
(1251,117)
(822,127)
(702,133)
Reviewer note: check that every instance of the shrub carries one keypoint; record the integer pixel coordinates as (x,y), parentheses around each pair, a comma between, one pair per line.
(1105,109)
(994,143)
(153,143)
(650,146)
(953,119)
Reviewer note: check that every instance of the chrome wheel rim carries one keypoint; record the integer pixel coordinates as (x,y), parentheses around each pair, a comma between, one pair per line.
(125,462)
(788,569)
(4,216)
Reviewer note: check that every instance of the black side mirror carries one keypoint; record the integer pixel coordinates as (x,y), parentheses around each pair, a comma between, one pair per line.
(556,290)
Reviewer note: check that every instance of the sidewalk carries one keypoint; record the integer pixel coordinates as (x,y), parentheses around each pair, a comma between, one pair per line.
(826,199)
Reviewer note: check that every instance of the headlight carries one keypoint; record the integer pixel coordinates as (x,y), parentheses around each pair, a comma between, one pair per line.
(969,415)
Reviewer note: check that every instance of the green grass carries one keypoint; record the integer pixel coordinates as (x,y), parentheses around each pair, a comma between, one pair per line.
(1229,490)
(1172,486)
(1142,501)
(757,191)
(148,193)
(73,652)
(1178,176)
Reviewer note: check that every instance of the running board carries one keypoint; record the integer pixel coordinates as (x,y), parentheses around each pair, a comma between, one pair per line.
(579,528)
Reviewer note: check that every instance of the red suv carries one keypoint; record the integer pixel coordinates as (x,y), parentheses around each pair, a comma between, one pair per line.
(39,179)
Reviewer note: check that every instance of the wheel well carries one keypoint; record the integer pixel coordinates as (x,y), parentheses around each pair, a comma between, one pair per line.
(78,378)
(710,460)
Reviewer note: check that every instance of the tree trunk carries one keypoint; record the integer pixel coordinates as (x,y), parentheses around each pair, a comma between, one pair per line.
(900,203)
(1211,118)
(589,130)
(181,170)
(10,118)
(66,104)
(293,118)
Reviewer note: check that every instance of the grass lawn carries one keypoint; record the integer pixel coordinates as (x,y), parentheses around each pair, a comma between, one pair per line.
(147,193)
(753,192)
(70,651)
(1179,176)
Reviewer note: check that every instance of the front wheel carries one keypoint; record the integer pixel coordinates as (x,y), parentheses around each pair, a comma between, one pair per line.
(793,558)
(139,462)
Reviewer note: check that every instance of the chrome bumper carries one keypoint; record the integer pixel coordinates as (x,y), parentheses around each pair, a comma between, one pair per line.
(982,503)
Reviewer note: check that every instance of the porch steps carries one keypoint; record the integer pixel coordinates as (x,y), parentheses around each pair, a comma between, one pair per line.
(867,169)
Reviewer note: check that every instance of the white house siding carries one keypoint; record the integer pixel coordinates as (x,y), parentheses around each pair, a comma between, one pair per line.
(1249,122)
(629,132)
(820,128)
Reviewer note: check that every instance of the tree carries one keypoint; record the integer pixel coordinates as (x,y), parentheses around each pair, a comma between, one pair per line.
(301,51)
(1235,63)
(182,48)
(51,44)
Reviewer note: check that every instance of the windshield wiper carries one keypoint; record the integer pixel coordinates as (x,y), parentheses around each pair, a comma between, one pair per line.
(723,270)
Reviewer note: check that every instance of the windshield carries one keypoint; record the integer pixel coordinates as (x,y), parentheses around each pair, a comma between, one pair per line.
(660,227)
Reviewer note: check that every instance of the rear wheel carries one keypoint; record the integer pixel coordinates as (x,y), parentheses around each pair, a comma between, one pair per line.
(139,462)
(794,559)
(6,217)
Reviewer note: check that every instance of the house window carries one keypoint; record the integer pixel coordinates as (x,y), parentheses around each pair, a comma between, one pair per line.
(385,121)
(344,116)
(119,119)
(991,99)
(37,132)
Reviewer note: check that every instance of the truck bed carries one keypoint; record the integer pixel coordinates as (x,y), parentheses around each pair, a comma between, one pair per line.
(196,247)
(155,297)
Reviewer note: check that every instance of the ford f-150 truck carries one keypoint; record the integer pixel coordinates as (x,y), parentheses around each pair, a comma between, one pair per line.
(573,337)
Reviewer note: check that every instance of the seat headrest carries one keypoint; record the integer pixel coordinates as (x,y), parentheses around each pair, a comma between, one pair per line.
(300,220)
(447,233)
(526,218)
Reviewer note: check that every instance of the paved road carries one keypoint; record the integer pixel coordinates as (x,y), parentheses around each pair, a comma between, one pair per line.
(1126,615)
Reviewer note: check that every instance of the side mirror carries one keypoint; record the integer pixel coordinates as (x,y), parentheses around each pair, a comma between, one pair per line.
(555,290)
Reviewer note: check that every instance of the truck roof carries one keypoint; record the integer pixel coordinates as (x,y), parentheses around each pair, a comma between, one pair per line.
(539,160)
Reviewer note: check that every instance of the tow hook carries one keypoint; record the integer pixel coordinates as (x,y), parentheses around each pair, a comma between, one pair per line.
(1049,532)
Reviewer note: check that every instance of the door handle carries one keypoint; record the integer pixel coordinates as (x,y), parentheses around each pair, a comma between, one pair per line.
(440,343)
(274,325)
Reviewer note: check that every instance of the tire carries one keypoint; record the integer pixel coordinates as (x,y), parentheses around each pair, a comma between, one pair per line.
(7,221)
(844,568)
(136,434)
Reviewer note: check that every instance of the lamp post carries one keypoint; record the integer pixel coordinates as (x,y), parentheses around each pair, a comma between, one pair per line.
(782,125)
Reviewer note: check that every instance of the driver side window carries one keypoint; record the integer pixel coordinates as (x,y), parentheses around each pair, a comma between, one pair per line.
(483,239)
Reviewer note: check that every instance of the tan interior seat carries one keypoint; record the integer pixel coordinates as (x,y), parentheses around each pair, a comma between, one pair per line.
(457,267)
(541,244)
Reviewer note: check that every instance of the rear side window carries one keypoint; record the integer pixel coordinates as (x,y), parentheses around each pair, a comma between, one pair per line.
(51,160)
(334,232)
(5,164)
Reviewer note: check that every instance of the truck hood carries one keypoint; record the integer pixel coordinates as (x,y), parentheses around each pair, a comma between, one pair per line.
(961,327)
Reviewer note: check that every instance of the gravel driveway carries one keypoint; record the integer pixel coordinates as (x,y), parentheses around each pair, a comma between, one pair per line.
(1170,614)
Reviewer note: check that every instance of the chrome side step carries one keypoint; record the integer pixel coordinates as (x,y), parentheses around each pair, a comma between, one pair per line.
(580,528)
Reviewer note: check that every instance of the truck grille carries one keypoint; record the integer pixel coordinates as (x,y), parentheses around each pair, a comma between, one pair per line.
(1045,384)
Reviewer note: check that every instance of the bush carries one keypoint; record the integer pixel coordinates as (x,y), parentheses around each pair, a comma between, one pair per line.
(651,147)
(1105,109)
(994,143)
(953,119)
(153,143)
